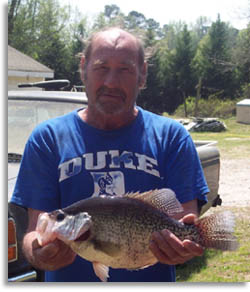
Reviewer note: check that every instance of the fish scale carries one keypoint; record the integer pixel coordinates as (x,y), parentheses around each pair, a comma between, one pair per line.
(124,230)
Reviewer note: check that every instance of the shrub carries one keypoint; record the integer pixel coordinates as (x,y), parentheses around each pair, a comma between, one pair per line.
(211,107)
(246,91)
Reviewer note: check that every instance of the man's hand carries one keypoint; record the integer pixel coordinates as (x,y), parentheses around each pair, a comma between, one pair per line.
(170,250)
(52,256)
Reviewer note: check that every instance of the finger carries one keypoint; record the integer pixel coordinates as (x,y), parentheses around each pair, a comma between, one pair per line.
(66,252)
(165,241)
(163,258)
(55,255)
(48,251)
(174,244)
(194,248)
(189,219)
(35,244)
(162,241)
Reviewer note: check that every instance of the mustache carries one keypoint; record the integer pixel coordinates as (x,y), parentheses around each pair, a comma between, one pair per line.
(103,90)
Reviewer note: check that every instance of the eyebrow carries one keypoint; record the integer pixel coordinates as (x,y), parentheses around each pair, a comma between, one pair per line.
(128,62)
(102,62)
(99,62)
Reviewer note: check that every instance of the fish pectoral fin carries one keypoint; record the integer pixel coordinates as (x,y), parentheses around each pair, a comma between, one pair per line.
(149,264)
(107,247)
(144,267)
(101,271)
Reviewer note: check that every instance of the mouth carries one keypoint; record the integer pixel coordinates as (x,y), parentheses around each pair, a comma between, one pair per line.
(84,236)
(112,97)
(115,94)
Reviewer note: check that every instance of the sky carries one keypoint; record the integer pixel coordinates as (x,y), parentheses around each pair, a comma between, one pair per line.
(233,11)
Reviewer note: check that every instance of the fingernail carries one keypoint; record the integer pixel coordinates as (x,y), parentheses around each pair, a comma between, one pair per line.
(165,232)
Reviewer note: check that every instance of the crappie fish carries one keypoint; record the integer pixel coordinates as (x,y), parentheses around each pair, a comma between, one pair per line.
(116,231)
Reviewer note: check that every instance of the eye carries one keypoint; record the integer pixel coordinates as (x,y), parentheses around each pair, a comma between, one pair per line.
(86,216)
(124,69)
(60,217)
(101,68)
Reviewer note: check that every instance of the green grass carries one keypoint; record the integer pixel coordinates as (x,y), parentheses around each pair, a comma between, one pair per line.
(217,266)
(233,143)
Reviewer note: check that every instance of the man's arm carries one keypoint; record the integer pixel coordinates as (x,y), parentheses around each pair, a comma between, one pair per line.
(168,248)
(52,256)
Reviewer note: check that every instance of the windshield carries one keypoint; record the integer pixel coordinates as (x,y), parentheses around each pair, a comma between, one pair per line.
(24,115)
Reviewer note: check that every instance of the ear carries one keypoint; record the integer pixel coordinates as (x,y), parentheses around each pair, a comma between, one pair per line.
(82,69)
(143,75)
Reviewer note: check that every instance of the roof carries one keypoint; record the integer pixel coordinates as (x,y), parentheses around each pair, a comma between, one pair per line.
(18,61)
(244,102)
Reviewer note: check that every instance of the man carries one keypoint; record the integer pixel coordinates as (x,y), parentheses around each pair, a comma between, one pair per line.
(109,148)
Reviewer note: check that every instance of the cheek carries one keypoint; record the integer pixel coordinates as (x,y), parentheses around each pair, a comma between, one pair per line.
(91,84)
(130,82)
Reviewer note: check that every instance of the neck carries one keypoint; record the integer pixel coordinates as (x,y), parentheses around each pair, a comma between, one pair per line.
(107,121)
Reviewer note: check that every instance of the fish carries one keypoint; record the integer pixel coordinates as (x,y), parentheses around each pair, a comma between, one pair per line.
(115,231)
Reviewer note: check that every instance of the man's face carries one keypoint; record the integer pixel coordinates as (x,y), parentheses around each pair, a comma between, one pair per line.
(113,77)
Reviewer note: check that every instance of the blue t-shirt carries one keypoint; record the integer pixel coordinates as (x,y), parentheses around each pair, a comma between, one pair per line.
(66,160)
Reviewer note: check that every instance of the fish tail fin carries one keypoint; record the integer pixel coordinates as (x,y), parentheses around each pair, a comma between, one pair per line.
(217,231)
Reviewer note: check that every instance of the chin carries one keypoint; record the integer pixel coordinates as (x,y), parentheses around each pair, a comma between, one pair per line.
(111,109)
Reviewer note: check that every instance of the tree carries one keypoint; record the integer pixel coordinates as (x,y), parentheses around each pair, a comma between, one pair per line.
(13,7)
(167,97)
(169,67)
(47,32)
(241,55)
(39,31)
(151,98)
(183,57)
(212,61)
(170,32)
(112,16)
(21,26)
(79,33)
(151,33)
(135,21)
(111,11)
(200,29)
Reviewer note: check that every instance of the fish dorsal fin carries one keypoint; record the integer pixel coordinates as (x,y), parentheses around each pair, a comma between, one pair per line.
(163,199)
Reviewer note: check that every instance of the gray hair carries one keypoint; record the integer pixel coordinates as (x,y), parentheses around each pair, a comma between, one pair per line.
(89,44)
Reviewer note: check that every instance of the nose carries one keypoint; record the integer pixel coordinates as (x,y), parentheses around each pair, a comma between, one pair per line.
(112,79)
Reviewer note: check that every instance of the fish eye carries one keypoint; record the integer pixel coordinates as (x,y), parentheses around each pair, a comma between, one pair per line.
(60,217)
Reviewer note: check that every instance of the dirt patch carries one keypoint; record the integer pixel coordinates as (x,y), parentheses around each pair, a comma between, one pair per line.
(235,182)
(236,139)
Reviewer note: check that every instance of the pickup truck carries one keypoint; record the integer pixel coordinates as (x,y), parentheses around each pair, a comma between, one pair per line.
(25,110)
(210,160)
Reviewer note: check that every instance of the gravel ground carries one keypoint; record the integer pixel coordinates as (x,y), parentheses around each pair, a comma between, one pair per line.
(235,182)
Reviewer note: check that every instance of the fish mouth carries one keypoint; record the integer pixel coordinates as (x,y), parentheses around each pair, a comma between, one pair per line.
(84,236)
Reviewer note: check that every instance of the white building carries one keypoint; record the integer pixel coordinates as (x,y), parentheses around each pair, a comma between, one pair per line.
(24,69)
(243,111)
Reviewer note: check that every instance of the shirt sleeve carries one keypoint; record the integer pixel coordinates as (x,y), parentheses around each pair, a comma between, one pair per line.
(37,181)
(184,171)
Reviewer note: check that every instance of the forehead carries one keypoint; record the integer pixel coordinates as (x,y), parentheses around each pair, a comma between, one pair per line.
(115,44)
